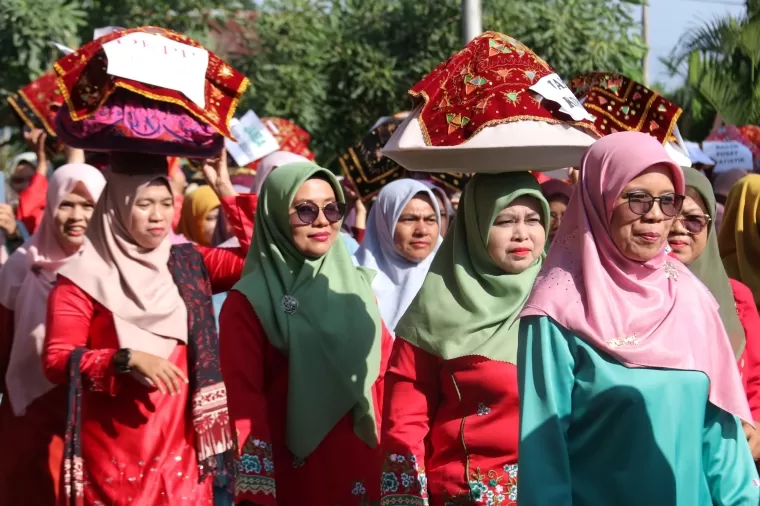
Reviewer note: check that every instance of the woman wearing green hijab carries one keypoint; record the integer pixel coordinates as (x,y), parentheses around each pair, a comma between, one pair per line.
(450,425)
(303,350)
(694,242)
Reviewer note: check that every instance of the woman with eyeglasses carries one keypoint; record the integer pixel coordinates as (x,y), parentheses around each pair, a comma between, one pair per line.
(304,351)
(629,390)
(694,242)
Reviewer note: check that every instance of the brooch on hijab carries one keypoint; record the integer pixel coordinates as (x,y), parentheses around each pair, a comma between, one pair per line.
(670,271)
(289,304)
(631,340)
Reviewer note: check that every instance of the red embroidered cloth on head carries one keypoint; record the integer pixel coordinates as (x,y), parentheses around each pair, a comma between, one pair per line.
(620,104)
(486,83)
(36,105)
(86,86)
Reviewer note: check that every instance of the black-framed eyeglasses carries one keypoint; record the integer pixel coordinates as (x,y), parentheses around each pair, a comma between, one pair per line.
(308,212)
(694,223)
(641,202)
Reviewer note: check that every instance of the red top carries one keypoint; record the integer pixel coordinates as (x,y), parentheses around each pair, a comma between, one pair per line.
(137,443)
(749,362)
(32,202)
(342,470)
(450,429)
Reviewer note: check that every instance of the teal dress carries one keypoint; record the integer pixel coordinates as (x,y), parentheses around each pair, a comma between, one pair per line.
(596,433)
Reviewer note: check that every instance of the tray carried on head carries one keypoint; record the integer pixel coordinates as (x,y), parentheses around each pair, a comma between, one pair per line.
(494,106)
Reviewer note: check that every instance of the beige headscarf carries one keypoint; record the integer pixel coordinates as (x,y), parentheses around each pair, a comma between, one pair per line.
(132,282)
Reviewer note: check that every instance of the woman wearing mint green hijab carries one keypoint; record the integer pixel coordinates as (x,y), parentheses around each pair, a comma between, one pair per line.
(303,352)
(450,425)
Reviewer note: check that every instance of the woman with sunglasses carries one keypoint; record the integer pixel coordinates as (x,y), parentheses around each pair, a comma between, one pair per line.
(629,390)
(304,352)
(694,242)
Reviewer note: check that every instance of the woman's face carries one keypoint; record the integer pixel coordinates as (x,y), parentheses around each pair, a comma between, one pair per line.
(209,225)
(517,237)
(22,176)
(455,200)
(557,207)
(417,229)
(688,246)
(314,239)
(641,238)
(152,214)
(72,218)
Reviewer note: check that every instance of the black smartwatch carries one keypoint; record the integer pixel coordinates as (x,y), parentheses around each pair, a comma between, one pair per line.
(121,361)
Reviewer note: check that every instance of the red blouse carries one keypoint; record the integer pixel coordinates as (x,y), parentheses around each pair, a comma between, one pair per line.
(450,430)
(343,470)
(137,444)
(749,362)
(32,202)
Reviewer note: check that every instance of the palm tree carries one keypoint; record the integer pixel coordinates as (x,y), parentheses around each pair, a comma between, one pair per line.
(722,60)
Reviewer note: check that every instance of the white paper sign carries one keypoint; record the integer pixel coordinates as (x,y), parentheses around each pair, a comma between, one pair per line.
(728,155)
(553,88)
(63,49)
(106,30)
(153,59)
(254,140)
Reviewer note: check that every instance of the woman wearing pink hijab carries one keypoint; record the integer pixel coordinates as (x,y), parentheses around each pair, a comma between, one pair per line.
(33,410)
(629,391)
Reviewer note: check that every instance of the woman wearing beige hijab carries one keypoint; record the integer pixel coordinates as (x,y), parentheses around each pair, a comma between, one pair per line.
(131,328)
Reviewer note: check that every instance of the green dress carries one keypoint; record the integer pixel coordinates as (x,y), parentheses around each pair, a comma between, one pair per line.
(596,433)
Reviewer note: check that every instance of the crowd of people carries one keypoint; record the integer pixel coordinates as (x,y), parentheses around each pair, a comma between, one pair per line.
(283,340)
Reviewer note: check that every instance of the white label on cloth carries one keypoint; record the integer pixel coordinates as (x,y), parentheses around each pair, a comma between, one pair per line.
(254,140)
(156,60)
(553,88)
(728,155)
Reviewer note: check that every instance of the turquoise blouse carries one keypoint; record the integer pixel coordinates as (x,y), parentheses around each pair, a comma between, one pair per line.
(596,433)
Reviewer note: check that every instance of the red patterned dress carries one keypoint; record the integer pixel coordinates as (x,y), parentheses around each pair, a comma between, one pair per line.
(138,446)
(450,430)
(342,471)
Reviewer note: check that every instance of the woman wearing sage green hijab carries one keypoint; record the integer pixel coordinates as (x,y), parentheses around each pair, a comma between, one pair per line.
(303,352)
(450,425)
(694,242)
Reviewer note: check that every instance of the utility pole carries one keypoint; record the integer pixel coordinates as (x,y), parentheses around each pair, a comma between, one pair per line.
(472,19)
(645,37)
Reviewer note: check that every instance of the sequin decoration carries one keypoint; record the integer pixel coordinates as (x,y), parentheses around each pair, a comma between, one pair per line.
(619,103)
(484,84)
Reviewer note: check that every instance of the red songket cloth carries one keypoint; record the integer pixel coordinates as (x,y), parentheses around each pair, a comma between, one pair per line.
(37,103)
(486,83)
(620,104)
(86,86)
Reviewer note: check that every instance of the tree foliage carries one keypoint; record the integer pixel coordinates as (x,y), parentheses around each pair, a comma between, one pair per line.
(335,66)
(26,29)
(720,62)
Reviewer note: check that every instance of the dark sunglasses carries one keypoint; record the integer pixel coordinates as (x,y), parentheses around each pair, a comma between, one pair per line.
(641,203)
(308,212)
(694,223)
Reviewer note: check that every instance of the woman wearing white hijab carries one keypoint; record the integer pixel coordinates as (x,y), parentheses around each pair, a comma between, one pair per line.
(400,243)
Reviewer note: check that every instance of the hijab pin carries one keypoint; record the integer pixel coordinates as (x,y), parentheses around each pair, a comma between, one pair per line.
(289,304)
